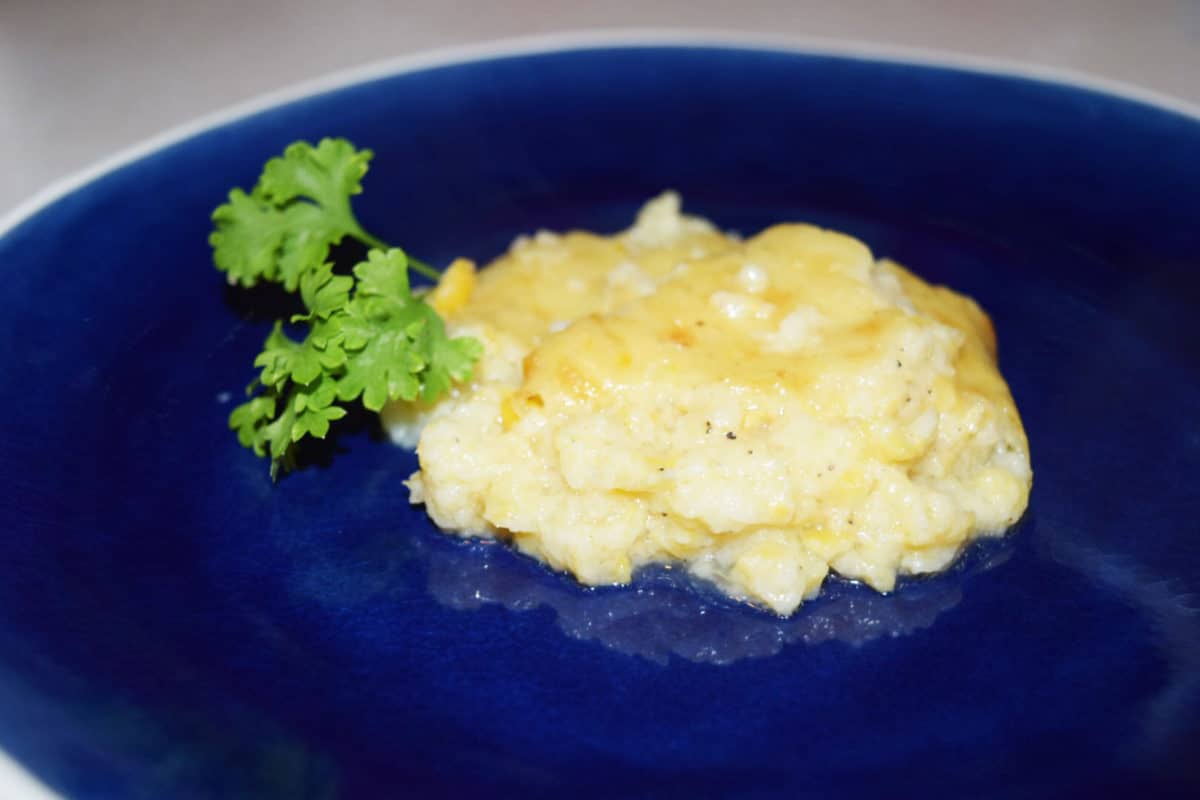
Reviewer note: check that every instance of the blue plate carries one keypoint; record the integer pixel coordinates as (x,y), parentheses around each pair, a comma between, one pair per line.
(174,625)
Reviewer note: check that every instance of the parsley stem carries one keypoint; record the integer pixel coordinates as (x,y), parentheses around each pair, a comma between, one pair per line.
(433,273)
(420,266)
(369,240)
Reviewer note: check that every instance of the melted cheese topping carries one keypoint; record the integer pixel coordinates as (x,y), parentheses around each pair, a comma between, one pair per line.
(762,410)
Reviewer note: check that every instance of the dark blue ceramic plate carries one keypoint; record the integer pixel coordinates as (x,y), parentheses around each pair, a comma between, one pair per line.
(173,625)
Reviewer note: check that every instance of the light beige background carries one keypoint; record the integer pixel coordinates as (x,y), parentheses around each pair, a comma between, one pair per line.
(81,79)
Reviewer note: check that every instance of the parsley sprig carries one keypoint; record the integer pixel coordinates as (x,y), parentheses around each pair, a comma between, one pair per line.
(369,337)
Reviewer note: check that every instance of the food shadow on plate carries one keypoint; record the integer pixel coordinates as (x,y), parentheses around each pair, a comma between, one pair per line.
(666,612)
(263,303)
(268,301)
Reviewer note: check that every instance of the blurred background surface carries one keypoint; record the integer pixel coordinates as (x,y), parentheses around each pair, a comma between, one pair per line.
(82,79)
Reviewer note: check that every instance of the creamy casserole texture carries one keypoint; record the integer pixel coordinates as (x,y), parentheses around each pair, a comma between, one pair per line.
(761,411)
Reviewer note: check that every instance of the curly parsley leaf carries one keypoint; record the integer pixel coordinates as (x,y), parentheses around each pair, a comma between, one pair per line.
(248,237)
(299,208)
(328,175)
(393,339)
(323,293)
(314,409)
(285,360)
(384,276)
(250,418)
(449,361)
(369,337)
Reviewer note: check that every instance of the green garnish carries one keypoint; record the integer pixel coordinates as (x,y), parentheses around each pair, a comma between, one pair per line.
(369,337)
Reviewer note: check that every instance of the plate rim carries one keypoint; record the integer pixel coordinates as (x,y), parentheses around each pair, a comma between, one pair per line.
(572,40)
(16,781)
